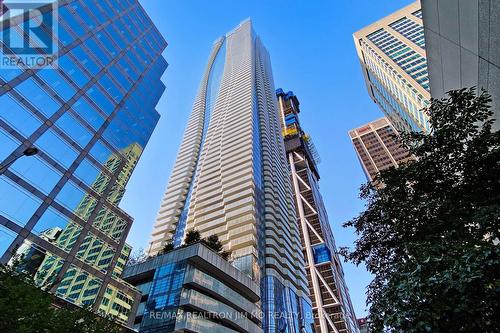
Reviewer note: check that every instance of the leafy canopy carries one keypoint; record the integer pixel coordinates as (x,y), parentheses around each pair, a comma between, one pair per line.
(430,234)
(24,308)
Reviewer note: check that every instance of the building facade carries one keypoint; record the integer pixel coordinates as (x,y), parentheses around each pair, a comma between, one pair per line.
(192,289)
(89,116)
(231,179)
(377,148)
(333,311)
(463,51)
(392,55)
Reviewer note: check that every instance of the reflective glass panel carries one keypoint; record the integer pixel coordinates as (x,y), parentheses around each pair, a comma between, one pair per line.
(57,148)
(97,96)
(38,97)
(17,116)
(16,204)
(77,200)
(74,129)
(87,112)
(7,236)
(57,83)
(57,229)
(37,173)
(73,71)
(7,145)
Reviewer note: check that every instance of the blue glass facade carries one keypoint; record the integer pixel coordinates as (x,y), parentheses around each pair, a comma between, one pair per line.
(90,117)
(192,289)
(164,296)
(284,311)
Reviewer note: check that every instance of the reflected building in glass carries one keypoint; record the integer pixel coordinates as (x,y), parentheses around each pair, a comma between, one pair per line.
(90,117)
(231,179)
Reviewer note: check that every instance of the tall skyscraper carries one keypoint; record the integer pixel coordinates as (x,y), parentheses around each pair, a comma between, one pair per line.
(231,179)
(89,116)
(462,40)
(333,311)
(393,61)
(377,148)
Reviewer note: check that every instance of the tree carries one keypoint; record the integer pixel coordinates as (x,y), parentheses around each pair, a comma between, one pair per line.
(192,236)
(24,308)
(169,246)
(215,244)
(136,257)
(430,234)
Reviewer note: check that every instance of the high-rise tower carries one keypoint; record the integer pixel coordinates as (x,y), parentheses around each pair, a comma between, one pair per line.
(377,147)
(90,117)
(329,294)
(231,179)
(393,61)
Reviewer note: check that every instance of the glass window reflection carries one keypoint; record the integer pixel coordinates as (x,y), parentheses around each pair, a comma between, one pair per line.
(57,82)
(73,71)
(57,229)
(16,204)
(87,172)
(88,113)
(8,144)
(102,154)
(72,127)
(7,236)
(37,173)
(85,60)
(77,200)
(8,74)
(57,148)
(95,94)
(63,34)
(38,97)
(17,116)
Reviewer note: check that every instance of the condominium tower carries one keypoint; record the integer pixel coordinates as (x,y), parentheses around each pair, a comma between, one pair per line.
(333,311)
(231,179)
(70,136)
(393,61)
(377,147)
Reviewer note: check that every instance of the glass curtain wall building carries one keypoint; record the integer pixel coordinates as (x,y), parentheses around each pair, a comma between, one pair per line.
(392,55)
(333,311)
(231,179)
(192,289)
(90,117)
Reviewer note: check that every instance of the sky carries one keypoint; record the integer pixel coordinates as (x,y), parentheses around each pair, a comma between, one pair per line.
(312,53)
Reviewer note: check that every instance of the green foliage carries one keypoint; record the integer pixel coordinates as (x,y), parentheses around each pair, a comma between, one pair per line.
(192,236)
(166,248)
(215,244)
(24,308)
(430,234)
